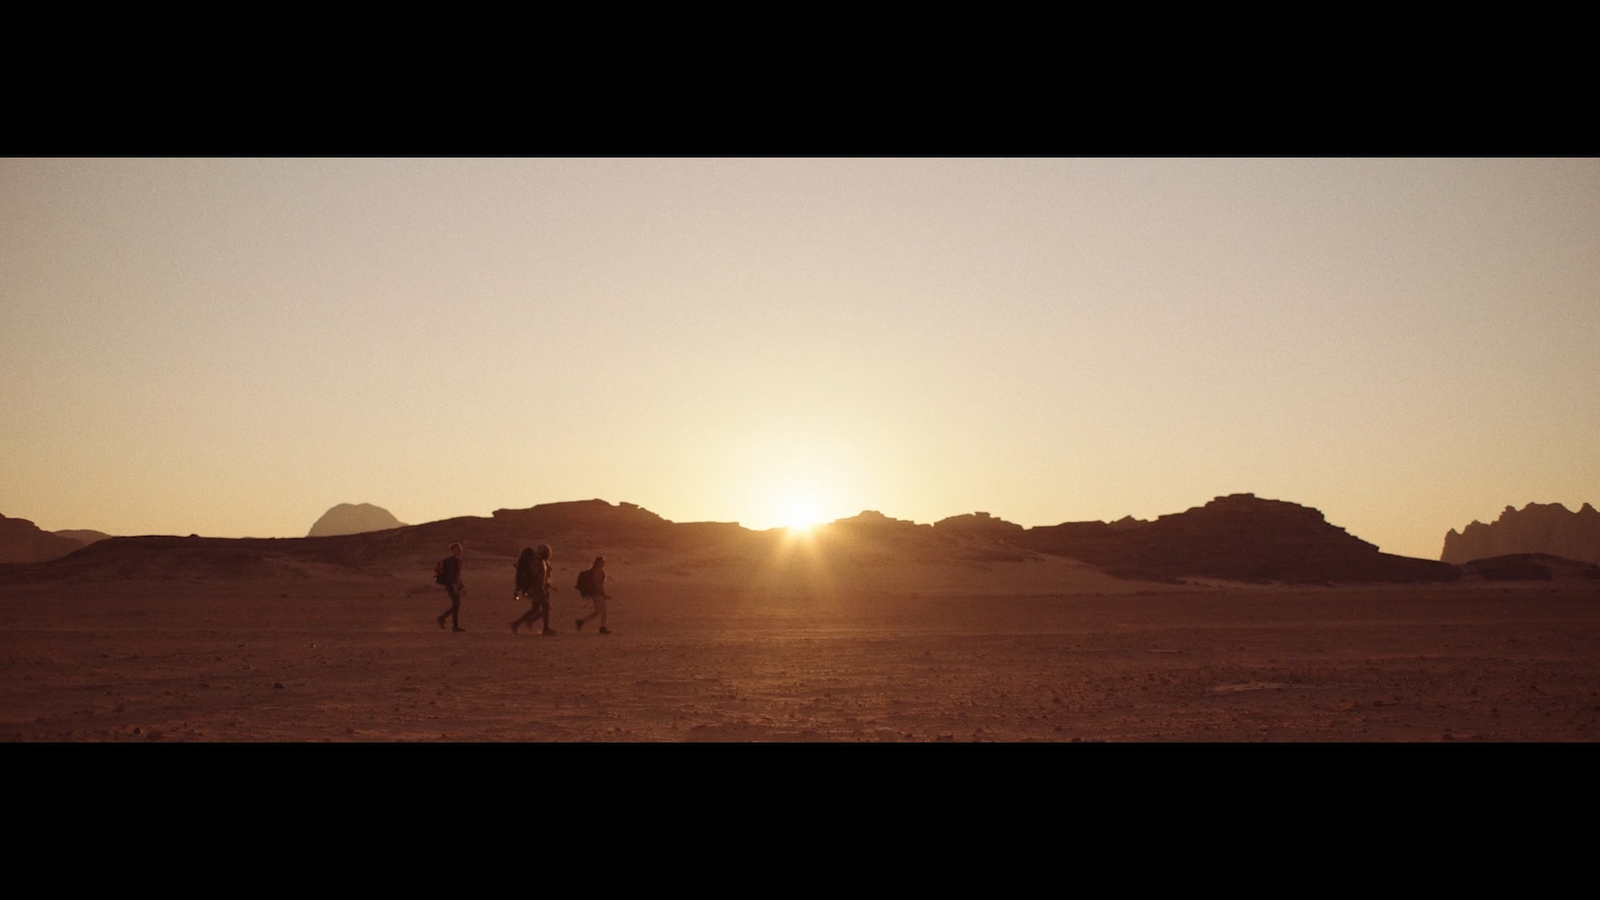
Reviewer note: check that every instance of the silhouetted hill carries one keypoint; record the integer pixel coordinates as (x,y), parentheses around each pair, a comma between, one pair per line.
(1538,528)
(1529,567)
(871,537)
(171,557)
(349,518)
(85,536)
(1239,537)
(565,526)
(979,523)
(21,541)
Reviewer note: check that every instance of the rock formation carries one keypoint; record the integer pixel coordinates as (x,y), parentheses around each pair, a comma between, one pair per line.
(1238,537)
(979,523)
(1548,528)
(21,541)
(347,518)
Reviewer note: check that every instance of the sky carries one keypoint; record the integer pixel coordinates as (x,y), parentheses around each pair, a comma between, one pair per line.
(230,347)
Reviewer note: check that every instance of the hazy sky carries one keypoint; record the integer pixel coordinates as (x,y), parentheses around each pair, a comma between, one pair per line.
(230,347)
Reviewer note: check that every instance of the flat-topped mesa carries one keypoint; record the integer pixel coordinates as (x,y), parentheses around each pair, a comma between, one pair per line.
(978,523)
(1246,514)
(1250,507)
(1548,528)
(871,518)
(596,523)
(581,515)
(869,524)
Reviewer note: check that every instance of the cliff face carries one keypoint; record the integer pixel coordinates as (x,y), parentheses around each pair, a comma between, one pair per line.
(21,541)
(350,518)
(1239,537)
(1548,528)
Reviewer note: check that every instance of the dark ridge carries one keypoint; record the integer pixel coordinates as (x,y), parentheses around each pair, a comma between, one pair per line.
(1239,537)
(1529,567)
(21,541)
(567,526)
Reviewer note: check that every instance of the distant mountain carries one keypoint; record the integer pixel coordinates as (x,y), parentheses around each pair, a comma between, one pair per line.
(1239,537)
(979,523)
(21,541)
(348,518)
(872,538)
(86,536)
(1548,528)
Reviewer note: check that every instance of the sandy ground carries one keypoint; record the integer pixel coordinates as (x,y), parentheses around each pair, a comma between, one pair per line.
(341,656)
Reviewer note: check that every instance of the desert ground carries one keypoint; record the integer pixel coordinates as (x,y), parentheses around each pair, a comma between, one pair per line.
(1041,651)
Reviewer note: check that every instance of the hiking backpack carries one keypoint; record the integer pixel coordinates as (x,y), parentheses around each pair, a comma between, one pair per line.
(586,582)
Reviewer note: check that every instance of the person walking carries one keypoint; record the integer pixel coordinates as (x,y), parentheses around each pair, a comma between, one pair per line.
(448,573)
(533,582)
(592,584)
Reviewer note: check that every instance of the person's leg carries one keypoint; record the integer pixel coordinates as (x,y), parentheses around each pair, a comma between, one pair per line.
(455,607)
(527,617)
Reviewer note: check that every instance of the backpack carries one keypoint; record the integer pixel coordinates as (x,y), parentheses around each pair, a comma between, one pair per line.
(586,582)
(438,573)
(525,571)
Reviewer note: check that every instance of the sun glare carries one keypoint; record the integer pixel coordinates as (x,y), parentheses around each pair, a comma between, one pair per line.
(801,514)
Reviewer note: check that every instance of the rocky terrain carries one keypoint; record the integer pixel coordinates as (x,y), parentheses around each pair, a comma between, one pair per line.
(1537,528)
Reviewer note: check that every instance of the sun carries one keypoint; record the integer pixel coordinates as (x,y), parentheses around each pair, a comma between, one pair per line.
(801,514)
